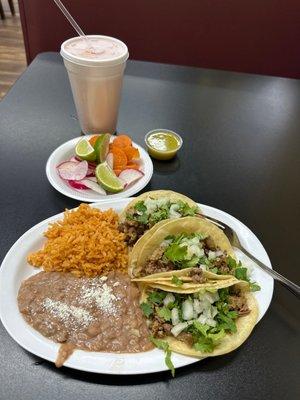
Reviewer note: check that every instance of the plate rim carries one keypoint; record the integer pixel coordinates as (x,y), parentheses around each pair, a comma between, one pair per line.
(75,196)
(92,370)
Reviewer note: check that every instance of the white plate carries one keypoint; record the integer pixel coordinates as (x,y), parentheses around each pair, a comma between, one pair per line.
(67,150)
(15,268)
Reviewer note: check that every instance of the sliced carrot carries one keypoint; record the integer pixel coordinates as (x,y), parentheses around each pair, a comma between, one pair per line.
(131,153)
(93,140)
(132,166)
(120,159)
(122,141)
(117,171)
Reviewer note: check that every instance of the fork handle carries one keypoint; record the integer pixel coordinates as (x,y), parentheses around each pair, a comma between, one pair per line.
(291,286)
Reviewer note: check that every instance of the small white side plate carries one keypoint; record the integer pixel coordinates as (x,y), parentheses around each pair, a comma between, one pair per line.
(67,150)
(15,269)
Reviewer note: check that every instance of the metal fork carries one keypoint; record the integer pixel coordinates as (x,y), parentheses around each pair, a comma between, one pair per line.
(234,240)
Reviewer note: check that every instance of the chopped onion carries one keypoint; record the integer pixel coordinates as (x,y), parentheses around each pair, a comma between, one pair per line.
(198,306)
(170,298)
(187,310)
(206,320)
(175,316)
(219,253)
(179,328)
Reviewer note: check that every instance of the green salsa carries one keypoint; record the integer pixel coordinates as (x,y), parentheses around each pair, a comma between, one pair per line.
(163,144)
(163,141)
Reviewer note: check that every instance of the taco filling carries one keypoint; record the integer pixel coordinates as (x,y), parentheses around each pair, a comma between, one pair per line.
(144,214)
(197,251)
(200,320)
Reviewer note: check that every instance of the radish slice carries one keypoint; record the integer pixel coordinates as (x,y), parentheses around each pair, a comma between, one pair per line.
(130,175)
(110,160)
(77,185)
(73,171)
(74,159)
(94,186)
(92,178)
(90,171)
(67,169)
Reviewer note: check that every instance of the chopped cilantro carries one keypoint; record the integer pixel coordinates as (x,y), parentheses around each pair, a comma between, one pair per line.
(254,287)
(226,322)
(162,345)
(164,313)
(147,309)
(205,261)
(159,215)
(140,207)
(231,262)
(185,210)
(177,281)
(204,344)
(241,273)
(216,337)
(202,328)
(156,297)
(175,252)
(169,362)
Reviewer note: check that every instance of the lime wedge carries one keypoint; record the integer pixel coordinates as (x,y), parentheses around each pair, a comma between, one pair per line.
(85,151)
(108,179)
(101,146)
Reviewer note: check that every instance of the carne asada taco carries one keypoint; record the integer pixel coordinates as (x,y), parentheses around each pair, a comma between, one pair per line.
(204,323)
(188,280)
(150,208)
(192,249)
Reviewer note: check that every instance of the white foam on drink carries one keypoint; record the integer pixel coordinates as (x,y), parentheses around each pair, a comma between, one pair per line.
(95,48)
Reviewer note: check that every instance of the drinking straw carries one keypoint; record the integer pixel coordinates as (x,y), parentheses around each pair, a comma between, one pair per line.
(70,18)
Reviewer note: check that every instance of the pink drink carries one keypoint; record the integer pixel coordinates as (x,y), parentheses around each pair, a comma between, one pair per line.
(95,67)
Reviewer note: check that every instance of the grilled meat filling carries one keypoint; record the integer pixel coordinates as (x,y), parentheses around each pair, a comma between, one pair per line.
(197,275)
(238,303)
(157,263)
(133,231)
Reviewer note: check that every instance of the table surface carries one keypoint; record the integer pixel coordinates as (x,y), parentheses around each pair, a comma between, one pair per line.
(240,154)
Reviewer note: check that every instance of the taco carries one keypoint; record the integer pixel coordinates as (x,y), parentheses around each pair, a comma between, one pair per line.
(202,323)
(151,210)
(194,247)
(185,243)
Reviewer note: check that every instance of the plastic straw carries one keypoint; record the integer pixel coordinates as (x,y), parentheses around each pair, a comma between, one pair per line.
(70,18)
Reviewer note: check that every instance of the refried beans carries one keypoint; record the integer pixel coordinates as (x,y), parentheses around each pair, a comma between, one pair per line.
(94,314)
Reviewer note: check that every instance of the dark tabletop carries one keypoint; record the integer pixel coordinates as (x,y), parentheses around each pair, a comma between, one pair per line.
(241,154)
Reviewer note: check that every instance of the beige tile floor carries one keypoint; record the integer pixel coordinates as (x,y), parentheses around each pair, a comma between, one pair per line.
(12,52)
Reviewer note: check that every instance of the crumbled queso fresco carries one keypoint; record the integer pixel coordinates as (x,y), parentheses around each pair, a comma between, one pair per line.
(94,314)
